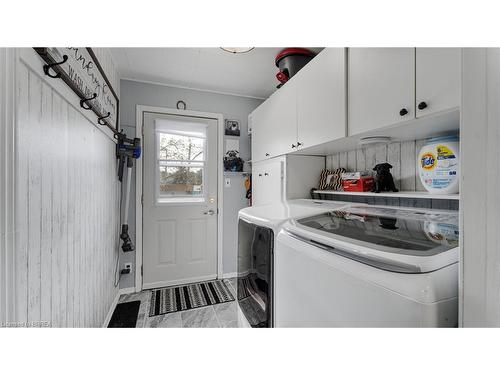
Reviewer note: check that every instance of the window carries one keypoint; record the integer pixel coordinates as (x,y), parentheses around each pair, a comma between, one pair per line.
(181,156)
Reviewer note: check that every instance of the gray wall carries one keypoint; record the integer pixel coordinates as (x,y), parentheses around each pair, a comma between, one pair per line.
(232,107)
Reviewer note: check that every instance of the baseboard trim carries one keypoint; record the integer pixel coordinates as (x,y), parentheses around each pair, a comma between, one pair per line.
(230,275)
(127,290)
(111,310)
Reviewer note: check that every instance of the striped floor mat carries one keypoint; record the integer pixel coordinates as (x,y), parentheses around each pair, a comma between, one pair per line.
(180,298)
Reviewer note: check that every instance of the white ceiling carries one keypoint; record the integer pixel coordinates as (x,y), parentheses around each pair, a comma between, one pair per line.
(249,74)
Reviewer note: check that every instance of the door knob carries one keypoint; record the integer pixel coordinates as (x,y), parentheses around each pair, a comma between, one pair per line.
(403,112)
(422,105)
(293,145)
(299,144)
(209,212)
(267,154)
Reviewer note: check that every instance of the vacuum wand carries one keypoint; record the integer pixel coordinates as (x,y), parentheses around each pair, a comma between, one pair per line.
(127,150)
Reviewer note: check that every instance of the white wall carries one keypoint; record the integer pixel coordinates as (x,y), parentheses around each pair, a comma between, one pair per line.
(66,202)
(7,187)
(232,107)
(401,155)
(479,192)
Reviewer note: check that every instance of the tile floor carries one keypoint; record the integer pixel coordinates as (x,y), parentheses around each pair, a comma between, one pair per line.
(223,315)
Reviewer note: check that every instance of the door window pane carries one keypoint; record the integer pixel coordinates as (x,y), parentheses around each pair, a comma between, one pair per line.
(180,147)
(181,167)
(181,182)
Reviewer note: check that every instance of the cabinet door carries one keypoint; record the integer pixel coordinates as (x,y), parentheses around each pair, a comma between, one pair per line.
(281,129)
(260,143)
(258,188)
(321,98)
(381,87)
(438,79)
(267,182)
(273,181)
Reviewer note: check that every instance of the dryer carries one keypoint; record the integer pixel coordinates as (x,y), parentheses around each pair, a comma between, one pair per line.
(368,266)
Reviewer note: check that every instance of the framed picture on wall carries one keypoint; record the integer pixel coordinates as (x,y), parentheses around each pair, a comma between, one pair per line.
(232,127)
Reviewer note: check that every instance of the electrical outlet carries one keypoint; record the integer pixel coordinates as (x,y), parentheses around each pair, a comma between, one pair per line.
(128,266)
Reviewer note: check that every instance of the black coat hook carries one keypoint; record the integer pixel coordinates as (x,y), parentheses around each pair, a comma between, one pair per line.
(100,119)
(83,102)
(47,67)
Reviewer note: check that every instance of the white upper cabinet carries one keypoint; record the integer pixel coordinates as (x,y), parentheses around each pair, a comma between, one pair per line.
(282,128)
(381,87)
(258,140)
(321,98)
(274,124)
(438,79)
(345,92)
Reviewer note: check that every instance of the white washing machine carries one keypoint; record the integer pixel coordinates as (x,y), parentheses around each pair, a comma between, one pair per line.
(368,266)
(257,230)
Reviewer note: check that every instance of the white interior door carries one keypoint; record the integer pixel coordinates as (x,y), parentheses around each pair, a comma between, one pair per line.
(180,200)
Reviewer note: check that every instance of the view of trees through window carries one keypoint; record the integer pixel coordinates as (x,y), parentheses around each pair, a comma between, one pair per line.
(181,162)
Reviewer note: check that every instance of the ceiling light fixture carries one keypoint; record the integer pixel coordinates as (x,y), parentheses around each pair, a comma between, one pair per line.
(237,49)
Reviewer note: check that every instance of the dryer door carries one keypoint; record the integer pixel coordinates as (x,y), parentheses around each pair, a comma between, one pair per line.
(255,254)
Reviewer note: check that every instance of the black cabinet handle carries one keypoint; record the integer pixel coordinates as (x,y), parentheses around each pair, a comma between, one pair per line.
(403,112)
(260,174)
(267,154)
(266,174)
(422,105)
(293,145)
(299,144)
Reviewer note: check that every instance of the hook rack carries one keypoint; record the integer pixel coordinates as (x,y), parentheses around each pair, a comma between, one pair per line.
(88,100)
(100,119)
(83,102)
(47,67)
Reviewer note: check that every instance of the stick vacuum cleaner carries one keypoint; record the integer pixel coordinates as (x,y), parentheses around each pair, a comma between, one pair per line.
(126,151)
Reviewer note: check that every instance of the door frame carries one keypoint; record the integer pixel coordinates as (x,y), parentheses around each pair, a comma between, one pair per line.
(140,110)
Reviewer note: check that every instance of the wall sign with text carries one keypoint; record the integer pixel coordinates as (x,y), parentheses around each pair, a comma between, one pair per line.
(82,72)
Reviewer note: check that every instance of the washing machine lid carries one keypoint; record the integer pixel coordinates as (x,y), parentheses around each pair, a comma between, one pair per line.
(396,239)
(274,215)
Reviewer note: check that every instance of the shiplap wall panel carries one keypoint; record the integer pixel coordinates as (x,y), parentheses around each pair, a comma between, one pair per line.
(48,250)
(401,155)
(22,211)
(67,207)
(408,166)
(394,158)
(34,198)
(7,183)
(360,159)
